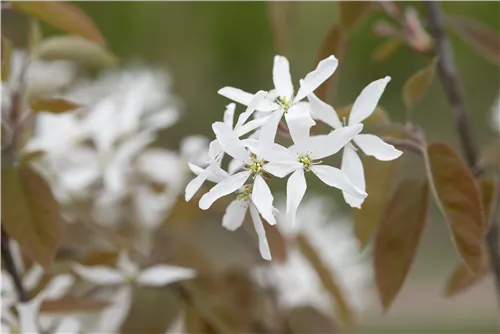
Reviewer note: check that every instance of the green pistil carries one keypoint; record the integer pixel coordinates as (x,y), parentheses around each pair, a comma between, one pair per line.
(256,167)
(283,103)
(306,161)
(245,192)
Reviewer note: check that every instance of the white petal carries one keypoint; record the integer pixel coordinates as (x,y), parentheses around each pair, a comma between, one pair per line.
(295,190)
(33,276)
(57,287)
(330,144)
(334,177)
(230,142)
(28,316)
(68,325)
(269,129)
(214,149)
(234,166)
(223,188)
(235,214)
(282,168)
(352,166)
(229,114)
(281,77)
(216,174)
(272,152)
(244,98)
(113,316)
(367,101)
(261,234)
(323,112)
(195,184)
(252,125)
(263,199)
(162,274)
(126,265)
(256,101)
(299,122)
(374,146)
(314,79)
(101,275)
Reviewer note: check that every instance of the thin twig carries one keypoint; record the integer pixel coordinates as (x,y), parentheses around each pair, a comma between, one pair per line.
(405,144)
(451,84)
(10,266)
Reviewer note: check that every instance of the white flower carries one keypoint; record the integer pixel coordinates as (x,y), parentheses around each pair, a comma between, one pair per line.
(128,271)
(283,99)
(372,145)
(495,114)
(302,157)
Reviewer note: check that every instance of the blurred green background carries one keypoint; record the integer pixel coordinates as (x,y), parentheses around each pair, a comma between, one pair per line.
(209,45)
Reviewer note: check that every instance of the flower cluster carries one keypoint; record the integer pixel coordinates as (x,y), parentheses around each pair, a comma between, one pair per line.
(256,157)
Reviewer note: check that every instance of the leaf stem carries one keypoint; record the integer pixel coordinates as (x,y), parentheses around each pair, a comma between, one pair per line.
(10,266)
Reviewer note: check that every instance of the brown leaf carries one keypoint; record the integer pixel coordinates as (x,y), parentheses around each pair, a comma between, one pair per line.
(282,16)
(462,278)
(487,188)
(379,176)
(35,35)
(53,106)
(491,153)
(306,319)
(352,12)
(457,195)
(416,86)
(345,313)
(481,38)
(6,58)
(333,44)
(398,237)
(71,304)
(386,50)
(277,243)
(61,15)
(30,214)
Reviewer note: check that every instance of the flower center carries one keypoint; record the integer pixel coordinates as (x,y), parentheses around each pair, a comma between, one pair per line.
(306,161)
(244,192)
(282,101)
(256,166)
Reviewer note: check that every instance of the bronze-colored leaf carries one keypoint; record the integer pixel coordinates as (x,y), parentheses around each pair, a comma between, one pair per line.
(333,44)
(379,177)
(77,49)
(458,197)
(31,156)
(345,314)
(61,15)
(385,50)
(397,238)
(416,86)
(35,35)
(30,214)
(282,16)
(462,278)
(277,243)
(352,12)
(481,38)
(306,319)
(487,188)
(53,106)
(71,304)
(6,58)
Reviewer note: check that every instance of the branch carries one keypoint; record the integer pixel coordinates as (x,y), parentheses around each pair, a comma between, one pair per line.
(451,84)
(10,266)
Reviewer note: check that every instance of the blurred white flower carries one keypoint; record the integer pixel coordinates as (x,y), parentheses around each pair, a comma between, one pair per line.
(495,114)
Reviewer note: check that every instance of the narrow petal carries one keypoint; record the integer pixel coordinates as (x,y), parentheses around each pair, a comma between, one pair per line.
(194,185)
(244,98)
(230,142)
(58,287)
(28,316)
(252,125)
(334,177)
(216,174)
(282,78)
(323,112)
(366,102)
(282,168)
(261,234)
(101,275)
(234,166)
(314,79)
(376,147)
(268,130)
(68,325)
(229,114)
(235,214)
(263,199)
(214,149)
(162,274)
(352,166)
(330,144)
(272,152)
(223,188)
(112,317)
(295,191)
(256,101)
(299,122)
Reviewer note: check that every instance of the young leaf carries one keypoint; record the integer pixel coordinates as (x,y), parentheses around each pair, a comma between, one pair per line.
(6,58)
(481,38)
(351,13)
(457,195)
(416,86)
(71,304)
(328,280)
(76,49)
(35,35)
(397,238)
(487,188)
(54,106)
(61,15)
(386,50)
(462,278)
(30,214)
